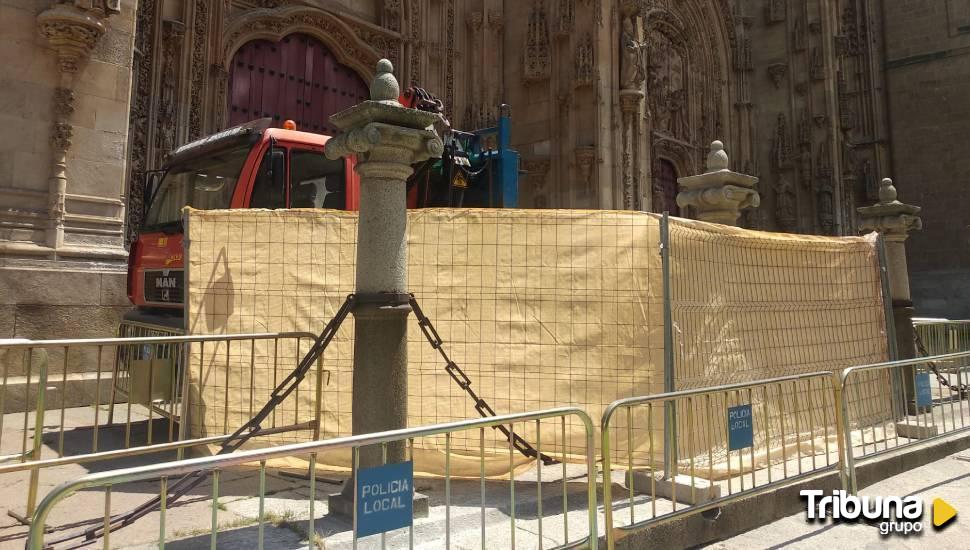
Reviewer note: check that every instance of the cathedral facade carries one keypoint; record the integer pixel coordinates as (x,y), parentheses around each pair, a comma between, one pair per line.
(612,101)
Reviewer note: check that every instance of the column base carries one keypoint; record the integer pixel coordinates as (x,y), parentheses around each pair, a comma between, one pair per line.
(689,490)
(911,430)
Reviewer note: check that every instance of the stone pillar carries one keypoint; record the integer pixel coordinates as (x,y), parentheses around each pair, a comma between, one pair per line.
(387,139)
(72,33)
(894,220)
(719,194)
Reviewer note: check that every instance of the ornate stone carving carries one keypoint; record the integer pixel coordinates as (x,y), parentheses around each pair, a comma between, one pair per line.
(197,74)
(630,110)
(890,217)
(742,55)
(496,22)
(72,32)
(565,18)
(817,65)
(220,79)
(823,164)
(72,29)
(138,118)
(774,11)
(718,195)
(392,15)
(847,111)
(63,102)
(348,41)
(584,75)
(167,115)
(777,72)
(781,148)
(804,128)
(785,209)
(474,21)
(61,135)
(826,207)
(800,35)
(535,173)
(632,73)
(585,159)
(537,60)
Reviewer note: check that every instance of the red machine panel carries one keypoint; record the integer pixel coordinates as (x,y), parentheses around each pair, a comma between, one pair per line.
(296,78)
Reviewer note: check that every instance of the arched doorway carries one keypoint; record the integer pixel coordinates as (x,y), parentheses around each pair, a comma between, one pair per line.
(296,78)
(665,187)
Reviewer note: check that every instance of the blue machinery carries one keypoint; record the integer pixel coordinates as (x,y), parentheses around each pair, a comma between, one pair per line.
(477,170)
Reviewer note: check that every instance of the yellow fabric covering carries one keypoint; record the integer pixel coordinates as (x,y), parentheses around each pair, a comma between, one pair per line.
(540,308)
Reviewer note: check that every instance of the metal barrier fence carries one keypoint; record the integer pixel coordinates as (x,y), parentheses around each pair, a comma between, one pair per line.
(730,441)
(928,398)
(60,414)
(215,465)
(941,336)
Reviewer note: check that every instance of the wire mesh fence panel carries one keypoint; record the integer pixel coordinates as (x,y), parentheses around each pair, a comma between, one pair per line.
(748,305)
(928,397)
(542,308)
(731,441)
(536,309)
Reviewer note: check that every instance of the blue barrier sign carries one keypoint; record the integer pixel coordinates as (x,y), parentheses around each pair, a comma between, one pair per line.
(740,427)
(385,495)
(924,396)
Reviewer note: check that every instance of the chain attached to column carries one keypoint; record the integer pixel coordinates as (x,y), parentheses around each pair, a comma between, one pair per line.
(963,390)
(465,384)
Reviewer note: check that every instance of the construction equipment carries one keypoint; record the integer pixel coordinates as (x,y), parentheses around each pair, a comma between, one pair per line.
(257,166)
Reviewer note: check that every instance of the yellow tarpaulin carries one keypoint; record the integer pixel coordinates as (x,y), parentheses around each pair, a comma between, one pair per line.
(539,308)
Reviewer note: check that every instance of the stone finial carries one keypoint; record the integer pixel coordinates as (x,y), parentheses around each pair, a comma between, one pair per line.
(887,191)
(382,128)
(719,194)
(384,87)
(889,216)
(717,159)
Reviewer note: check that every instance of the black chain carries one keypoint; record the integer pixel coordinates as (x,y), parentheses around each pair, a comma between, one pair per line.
(247,431)
(253,426)
(465,383)
(963,390)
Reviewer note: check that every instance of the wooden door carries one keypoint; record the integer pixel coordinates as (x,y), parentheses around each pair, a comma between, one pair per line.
(296,78)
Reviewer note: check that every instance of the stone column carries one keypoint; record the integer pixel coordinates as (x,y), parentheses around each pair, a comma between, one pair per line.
(387,139)
(719,194)
(894,220)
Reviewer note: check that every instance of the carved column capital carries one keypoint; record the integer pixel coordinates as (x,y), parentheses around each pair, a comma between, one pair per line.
(387,137)
(630,100)
(889,216)
(72,32)
(719,194)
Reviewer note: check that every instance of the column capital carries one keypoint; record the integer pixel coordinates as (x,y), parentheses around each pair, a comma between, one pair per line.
(382,130)
(719,194)
(892,218)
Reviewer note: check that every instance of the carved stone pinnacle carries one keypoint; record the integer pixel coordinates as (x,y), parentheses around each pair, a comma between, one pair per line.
(384,87)
(717,159)
(889,216)
(719,194)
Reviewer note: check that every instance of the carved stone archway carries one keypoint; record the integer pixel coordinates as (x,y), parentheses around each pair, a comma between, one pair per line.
(687,86)
(343,41)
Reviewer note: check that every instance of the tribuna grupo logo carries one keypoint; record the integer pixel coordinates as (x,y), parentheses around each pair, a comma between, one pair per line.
(900,515)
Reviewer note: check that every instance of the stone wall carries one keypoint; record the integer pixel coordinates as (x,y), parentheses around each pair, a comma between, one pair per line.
(62,303)
(64,102)
(55,99)
(928,77)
